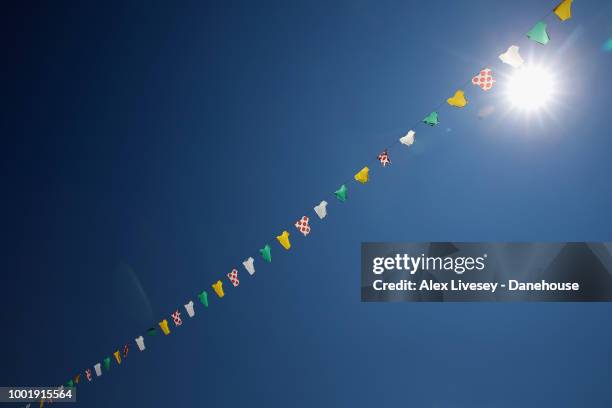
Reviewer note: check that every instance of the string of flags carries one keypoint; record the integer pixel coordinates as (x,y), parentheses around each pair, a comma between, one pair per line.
(484,80)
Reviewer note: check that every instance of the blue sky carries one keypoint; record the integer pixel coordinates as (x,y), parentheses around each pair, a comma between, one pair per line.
(152,148)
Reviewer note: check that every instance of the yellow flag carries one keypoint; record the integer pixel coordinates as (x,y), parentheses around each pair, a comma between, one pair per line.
(363,176)
(458,100)
(218,287)
(164,326)
(564,10)
(283,239)
(117,356)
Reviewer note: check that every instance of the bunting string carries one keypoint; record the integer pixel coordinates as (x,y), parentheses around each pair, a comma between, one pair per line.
(485,79)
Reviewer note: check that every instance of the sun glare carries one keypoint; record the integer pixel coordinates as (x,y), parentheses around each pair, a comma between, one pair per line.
(531,88)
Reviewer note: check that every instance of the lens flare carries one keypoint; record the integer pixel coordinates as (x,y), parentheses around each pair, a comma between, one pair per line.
(531,88)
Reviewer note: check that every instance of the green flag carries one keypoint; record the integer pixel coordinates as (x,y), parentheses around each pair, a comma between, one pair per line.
(106,362)
(341,193)
(266,253)
(431,119)
(538,33)
(203,298)
(152,331)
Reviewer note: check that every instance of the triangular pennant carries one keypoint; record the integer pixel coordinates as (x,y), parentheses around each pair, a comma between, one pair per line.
(249,265)
(321,209)
(383,158)
(233,277)
(189,308)
(341,193)
(140,343)
(176,318)
(458,100)
(203,297)
(218,288)
(484,79)
(266,253)
(538,33)
(362,176)
(564,10)
(431,119)
(164,326)
(408,139)
(512,57)
(283,239)
(303,225)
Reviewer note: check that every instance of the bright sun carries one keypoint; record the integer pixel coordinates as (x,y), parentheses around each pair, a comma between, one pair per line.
(531,88)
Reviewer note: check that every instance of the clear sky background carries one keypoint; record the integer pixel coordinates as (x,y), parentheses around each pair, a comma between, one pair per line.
(150,148)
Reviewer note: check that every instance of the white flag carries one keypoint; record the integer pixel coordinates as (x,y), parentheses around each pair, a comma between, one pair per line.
(321,209)
(189,308)
(512,57)
(248,265)
(408,139)
(140,343)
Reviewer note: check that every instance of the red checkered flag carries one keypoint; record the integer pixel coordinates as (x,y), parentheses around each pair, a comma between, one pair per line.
(484,79)
(125,351)
(383,158)
(88,374)
(176,316)
(233,277)
(302,225)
